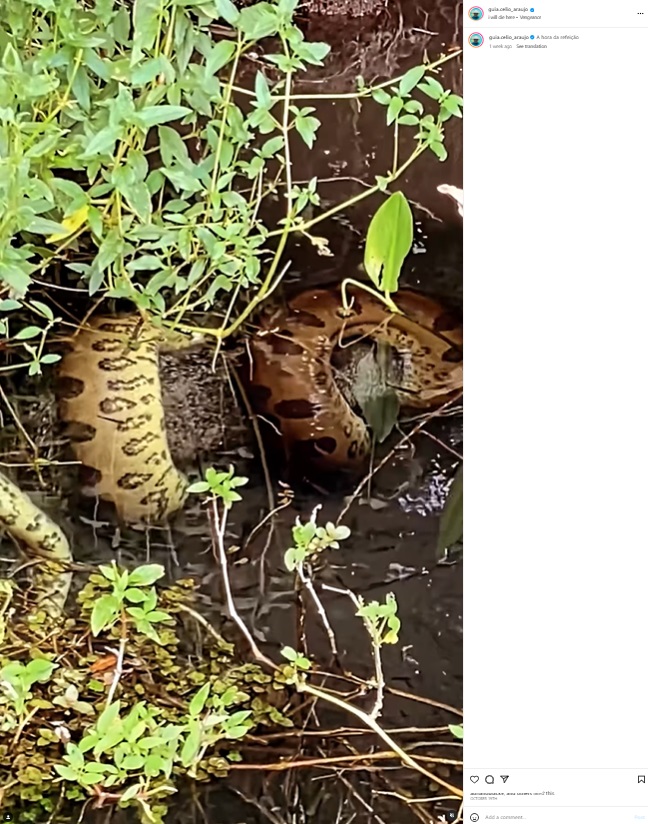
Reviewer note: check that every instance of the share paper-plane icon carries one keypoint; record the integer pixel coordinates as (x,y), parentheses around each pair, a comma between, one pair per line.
(504,778)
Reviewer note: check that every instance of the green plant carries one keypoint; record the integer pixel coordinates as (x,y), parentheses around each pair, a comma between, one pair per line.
(389,240)
(298,665)
(221,485)
(132,599)
(381,620)
(310,539)
(204,730)
(131,149)
(457,730)
(17,679)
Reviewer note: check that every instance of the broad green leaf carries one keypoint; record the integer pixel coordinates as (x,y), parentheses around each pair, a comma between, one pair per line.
(102,143)
(432,88)
(39,670)
(262,91)
(104,613)
(154,115)
(381,96)
(410,79)
(451,522)
(258,21)
(108,717)
(42,226)
(197,703)
(16,275)
(307,126)
(389,240)
(146,15)
(172,147)
(457,730)
(27,333)
(220,55)
(227,11)
(191,746)
(145,575)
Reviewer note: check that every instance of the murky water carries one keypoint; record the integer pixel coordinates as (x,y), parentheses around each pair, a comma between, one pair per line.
(393,542)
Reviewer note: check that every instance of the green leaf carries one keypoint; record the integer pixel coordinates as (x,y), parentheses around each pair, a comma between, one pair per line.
(238,731)
(262,91)
(290,654)
(104,613)
(135,596)
(389,240)
(66,772)
(16,275)
(109,571)
(258,21)
(102,143)
(191,746)
(43,308)
(393,110)
(146,15)
(227,11)
(457,730)
(199,487)
(410,79)
(27,333)
(307,126)
(132,762)
(197,703)
(381,96)
(220,55)
(451,522)
(145,575)
(108,717)
(432,88)
(39,670)
(130,793)
(42,226)
(172,147)
(408,120)
(155,115)
(139,200)
(381,413)
(51,357)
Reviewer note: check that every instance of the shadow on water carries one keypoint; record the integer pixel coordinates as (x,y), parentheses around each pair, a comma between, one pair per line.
(392,546)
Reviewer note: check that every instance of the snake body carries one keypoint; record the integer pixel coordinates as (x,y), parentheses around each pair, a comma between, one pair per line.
(111,399)
(43,540)
(110,391)
(293,382)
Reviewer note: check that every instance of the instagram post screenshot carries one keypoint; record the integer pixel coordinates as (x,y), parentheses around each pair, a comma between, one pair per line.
(231,403)
(236,274)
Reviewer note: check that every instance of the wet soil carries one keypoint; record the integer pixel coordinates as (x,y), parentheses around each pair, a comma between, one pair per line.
(394,532)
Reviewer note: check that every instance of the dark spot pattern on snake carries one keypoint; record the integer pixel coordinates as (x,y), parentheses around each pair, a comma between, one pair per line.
(133,480)
(116,364)
(128,385)
(137,445)
(118,404)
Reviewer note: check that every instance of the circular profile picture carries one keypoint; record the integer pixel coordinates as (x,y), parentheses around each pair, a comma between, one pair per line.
(476,13)
(476,39)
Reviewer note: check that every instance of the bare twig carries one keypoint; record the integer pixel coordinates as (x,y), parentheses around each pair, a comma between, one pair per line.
(218,523)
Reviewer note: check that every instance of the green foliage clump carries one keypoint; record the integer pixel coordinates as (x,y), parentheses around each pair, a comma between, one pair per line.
(139,147)
(66,733)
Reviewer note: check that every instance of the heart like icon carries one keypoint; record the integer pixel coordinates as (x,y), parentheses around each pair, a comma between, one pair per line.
(474,778)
